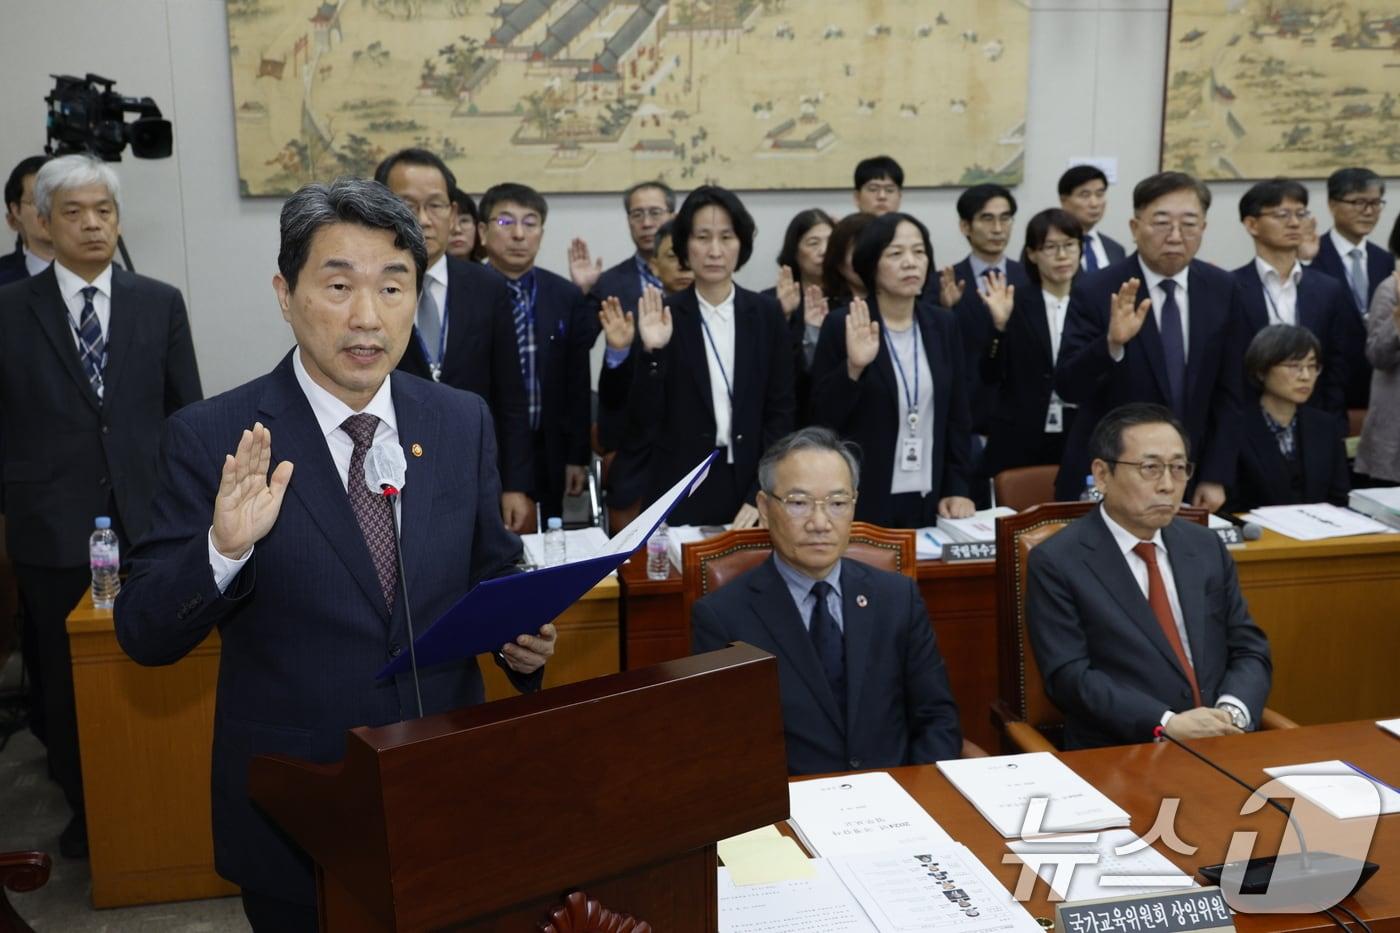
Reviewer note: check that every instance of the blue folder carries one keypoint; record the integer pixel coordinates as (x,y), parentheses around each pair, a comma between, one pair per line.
(495,612)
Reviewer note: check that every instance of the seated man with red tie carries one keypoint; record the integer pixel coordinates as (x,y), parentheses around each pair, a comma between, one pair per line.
(1135,616)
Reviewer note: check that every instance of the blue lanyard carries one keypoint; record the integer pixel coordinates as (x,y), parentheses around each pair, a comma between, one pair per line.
(719,360)
(911,398)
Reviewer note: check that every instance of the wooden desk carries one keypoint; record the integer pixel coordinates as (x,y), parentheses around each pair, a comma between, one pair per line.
(145,735)
(1138,777)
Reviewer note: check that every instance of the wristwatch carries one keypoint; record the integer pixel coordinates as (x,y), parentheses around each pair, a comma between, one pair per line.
(1237,715)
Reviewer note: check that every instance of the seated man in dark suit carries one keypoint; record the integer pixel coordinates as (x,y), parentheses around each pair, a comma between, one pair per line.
(859,673)
(1084,196)
(1135,616)
(649,204)
(33,249)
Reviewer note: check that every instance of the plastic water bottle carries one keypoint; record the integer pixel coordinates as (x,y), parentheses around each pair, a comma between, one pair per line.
(555,551)
(1091,492)
(659,554)
(104,557)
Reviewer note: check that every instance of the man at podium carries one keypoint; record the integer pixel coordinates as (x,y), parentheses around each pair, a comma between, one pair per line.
(305,588)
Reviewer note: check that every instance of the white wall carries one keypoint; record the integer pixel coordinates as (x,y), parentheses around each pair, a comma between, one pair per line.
(1096,76)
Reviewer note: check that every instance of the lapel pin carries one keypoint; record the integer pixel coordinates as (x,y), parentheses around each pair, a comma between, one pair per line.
(417,450)
(861,601)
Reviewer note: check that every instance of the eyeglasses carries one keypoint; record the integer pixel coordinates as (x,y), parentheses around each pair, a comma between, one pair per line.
(1363,204)
(1062,248)
(877,189)
(995,220)
(646,213)
(838,506)
(1283,215)
(1299,369)
(435,208)
(1153,469)
(529,223)
(1162,226)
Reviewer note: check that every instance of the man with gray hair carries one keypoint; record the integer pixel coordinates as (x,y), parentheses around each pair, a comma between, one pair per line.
(861,681)
(92,360)
(304,587)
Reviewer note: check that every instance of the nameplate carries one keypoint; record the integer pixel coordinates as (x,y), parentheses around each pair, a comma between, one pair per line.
(1198,910)
(961,553)
(1229,536)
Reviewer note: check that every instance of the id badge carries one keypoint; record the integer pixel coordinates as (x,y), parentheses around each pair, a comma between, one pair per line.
(1055,416)
(911,454)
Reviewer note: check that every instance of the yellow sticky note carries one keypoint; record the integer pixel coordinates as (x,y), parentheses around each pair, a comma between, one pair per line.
(764,858)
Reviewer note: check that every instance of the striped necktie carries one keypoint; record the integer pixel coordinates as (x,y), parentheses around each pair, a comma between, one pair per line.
(522,293)
(92,348)
(1358,279)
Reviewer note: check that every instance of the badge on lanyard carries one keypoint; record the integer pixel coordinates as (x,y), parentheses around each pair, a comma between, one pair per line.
(911,454)
(1055,415)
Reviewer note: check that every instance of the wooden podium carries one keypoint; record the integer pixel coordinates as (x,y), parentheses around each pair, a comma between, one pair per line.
(613,791)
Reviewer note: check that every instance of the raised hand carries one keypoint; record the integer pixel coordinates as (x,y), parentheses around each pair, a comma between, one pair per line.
(814,309)
(653,320)
(862,338)
(747,517)
(789,291)
(950,287)
(1000,299)
(248,500)
(582,269)
(619,327)
(1125,320)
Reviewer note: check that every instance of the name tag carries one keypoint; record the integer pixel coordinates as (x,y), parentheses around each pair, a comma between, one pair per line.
(1055,415)
(911,454)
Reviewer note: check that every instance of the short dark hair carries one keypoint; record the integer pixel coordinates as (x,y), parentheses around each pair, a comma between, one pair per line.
(975,198)
(1106,442)
(1164,183)
(725,200)
(813,437)
(797,228)
(514,193)
(843,235)
(1345,181)
(1277,343)
(668,229)
(876,168)
(1080,175)
(466,206)
(661,186)
(1039,227)
(414,156)
(873,240)
(345,200)
(14,185)
(1266,194)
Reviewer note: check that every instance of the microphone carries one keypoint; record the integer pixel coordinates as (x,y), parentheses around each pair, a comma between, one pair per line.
(1248,530)
(385,474)
(1294,874)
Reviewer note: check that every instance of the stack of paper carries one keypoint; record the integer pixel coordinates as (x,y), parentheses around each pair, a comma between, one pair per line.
(1340,788)
(860,813)
(928,543)
(688,534)
(981,528)
(1030,795)
(1381,504)
(820,904)
(1315,522)
(1390,725)
(1123,865)
(579,544)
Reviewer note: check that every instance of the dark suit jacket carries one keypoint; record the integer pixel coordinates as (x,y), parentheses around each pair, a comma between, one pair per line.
(669,406)
(801,372)
(483,357)
(1379,265)
(1265,478)
(1325,308)
(1113,248)
(12,267)
(1019,367)
(1106,663)
(69,456)
(626,480)
(621,282)
(867,411)
(975,326)
(1086,375)
(899,707)
(297,661)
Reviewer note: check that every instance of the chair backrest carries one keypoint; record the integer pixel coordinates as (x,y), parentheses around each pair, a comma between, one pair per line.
(1022,487)
(710,564)
(1020,687)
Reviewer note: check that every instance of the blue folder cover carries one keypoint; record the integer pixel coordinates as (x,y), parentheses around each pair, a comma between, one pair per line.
(496,611)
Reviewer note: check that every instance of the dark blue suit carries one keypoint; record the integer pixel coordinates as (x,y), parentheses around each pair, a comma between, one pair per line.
(975,325)
(899,707)
(1319,474)
(1086,375)
(12,267)
(1379,264)
(304,625)
(621,282)
(1112,249)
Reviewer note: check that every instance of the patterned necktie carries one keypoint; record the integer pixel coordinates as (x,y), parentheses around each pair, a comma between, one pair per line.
(92,349)
(1091,260)
(830,644)
(1358,279)
(1162,609)
(430,327)
(1174,348)
(522,301)
(646,275)
(375,513)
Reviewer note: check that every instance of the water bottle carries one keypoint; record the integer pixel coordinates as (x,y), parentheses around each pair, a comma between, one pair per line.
(104,558)
(555,552)
(659,554)
(1091,492)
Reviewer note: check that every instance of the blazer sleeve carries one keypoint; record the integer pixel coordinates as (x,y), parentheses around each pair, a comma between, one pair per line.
(508,402)
(1249,668)
(929,708)
(583,333)
(707,632)
(1382,340)
(1345,331)
(957,440)
(1221,446)
(836,400)
(780,393)
(181,370)
(1084,363)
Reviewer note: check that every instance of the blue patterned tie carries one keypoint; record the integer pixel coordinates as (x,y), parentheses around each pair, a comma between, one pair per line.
(1174,348)
(522,301)
(93,348)
(1091,261)
(647,276)
(827,638)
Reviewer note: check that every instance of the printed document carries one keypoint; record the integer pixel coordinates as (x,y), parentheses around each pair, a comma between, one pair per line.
(820,904)
(1340,788)
(1030,795)
(859,813)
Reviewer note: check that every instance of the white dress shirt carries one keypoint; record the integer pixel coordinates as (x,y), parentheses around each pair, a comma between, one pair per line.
(719,319)
(71,285)
(435,281)
(1095,244)
(34,264)
(907,347)
(1280,294)
(979,267)
(1055,309)
(330,414)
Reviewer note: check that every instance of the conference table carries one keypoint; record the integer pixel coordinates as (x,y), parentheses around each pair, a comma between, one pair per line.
(1328,607)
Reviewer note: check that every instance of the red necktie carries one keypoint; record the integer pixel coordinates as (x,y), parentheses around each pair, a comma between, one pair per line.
(1162,609)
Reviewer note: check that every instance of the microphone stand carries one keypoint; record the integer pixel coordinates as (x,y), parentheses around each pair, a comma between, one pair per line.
(392,494)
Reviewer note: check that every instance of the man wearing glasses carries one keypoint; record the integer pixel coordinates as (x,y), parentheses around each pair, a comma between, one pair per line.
(648,204)
(1356,197)
(859,674)
(1135,616)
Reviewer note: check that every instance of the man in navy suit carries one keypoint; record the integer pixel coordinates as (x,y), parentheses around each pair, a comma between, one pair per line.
(1160,327)
(1278,289)
(33,249)
(1084,195)
(470,345)
(861,681)
(304,587)
(1136,616)
(555,327)
(648,204)
(1355,196)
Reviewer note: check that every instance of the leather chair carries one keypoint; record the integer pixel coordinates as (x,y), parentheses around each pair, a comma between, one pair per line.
(1028,720)
(1022,487)
(20,872)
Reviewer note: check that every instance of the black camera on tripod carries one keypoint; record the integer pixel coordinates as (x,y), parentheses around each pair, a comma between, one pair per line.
(86,115)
